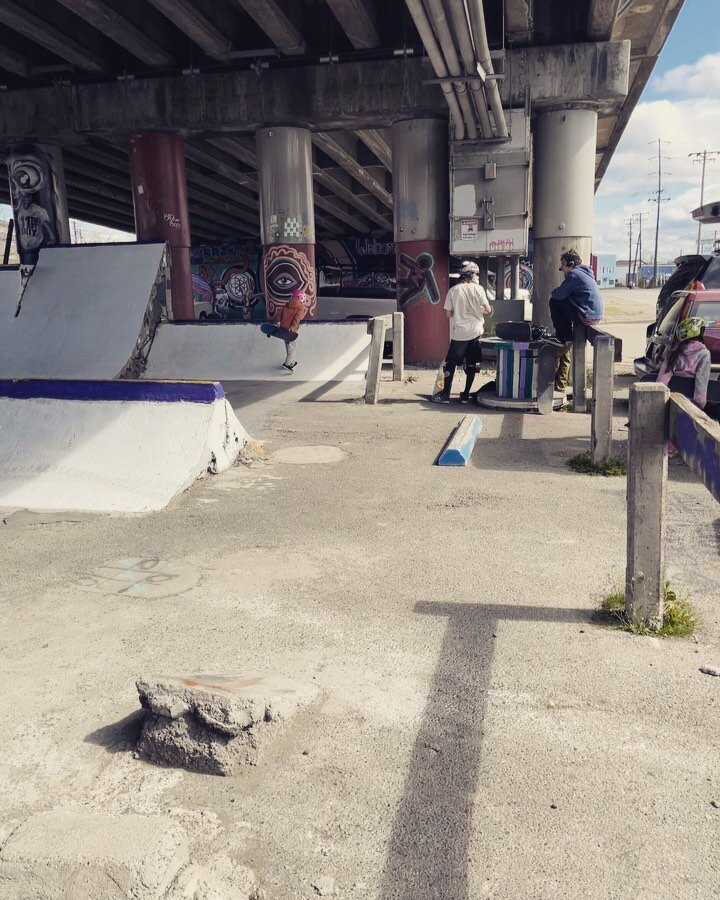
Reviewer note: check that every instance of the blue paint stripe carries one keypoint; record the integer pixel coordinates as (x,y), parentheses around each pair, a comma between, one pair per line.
(141,391)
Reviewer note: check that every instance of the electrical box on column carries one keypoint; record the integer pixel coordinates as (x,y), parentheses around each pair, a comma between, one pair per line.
(490,192)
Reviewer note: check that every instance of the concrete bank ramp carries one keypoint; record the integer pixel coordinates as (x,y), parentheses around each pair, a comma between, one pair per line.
(238,351)
(87,312)
(110,446)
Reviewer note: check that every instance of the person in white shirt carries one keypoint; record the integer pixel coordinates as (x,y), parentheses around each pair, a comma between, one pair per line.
(466,306)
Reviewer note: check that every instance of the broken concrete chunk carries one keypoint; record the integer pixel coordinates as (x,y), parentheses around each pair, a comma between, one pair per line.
(85,856)
(214,723)
(200,883)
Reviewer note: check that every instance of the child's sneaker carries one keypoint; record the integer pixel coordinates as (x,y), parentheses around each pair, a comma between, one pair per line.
(289,367)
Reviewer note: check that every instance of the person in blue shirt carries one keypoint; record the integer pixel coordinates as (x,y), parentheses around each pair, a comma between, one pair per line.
(576,299)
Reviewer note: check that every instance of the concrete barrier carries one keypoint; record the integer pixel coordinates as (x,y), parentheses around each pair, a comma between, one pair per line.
(238,351)
(113,446)
(462,442)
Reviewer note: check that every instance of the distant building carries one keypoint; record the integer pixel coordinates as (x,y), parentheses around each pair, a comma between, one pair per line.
(604,268)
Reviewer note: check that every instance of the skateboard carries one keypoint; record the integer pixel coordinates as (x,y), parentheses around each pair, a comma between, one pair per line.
(545,379)
(277,331)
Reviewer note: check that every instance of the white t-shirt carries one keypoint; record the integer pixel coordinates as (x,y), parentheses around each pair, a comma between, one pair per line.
(468,302)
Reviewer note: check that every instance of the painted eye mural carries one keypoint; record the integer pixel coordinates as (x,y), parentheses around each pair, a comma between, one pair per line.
(40,218)
(287,268)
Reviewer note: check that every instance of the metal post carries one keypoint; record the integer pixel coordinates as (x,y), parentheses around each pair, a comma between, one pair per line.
(8,241)
(564,186)
(159,187)
(398,338)
(500,278)
(482,264)
(579,401)
(602,399)
(514,277)
(422,233)
(646,485)
(287,216)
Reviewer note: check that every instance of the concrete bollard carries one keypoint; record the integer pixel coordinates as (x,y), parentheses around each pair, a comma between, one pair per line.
(579,401)
(646,485)
(377,328)
(601,422)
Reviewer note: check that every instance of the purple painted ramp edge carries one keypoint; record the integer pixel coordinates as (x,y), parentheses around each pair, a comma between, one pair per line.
(140,391)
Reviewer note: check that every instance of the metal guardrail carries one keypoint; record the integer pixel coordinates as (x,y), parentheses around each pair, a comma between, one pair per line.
(656,417)
(378,328)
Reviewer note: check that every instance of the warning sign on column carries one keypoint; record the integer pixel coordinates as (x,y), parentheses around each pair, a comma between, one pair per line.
(468,229)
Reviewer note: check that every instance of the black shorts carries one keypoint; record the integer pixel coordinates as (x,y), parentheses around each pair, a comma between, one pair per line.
(464,353)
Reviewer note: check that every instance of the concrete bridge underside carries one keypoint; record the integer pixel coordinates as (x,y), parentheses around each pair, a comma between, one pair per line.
(87,76)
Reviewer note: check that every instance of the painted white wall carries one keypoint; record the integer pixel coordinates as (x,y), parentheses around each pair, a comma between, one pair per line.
(239,351)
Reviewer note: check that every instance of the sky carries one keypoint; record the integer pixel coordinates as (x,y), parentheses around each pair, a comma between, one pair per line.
(681,106)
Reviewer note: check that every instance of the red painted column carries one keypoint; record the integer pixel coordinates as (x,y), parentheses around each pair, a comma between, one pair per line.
(422,238)
(159,186)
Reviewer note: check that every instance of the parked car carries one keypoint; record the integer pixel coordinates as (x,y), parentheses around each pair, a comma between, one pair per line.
(681,305)
(701,272)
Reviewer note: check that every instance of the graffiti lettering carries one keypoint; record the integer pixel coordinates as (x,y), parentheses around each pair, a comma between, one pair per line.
(173,221)
(149,577)
(503,244)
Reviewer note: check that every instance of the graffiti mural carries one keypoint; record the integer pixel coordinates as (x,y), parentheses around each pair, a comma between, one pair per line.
(225,282)
(37,192)
(357,267)
(416,278)
(285,269)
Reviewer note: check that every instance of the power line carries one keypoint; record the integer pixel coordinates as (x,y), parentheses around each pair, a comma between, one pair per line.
(705,154)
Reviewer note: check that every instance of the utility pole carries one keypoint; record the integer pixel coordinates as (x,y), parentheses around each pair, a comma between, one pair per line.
(704,155)
(629,223)
(658,199)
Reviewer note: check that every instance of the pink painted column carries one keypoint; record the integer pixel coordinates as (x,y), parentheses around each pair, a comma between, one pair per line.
(422,236)
(159,186)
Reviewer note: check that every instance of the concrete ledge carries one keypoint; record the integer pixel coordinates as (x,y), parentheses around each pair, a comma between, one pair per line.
(88,856)
(147,391)
(462,442)
(215,724)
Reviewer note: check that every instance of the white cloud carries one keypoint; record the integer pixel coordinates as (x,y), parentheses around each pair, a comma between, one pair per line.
(688,125)
(700,79)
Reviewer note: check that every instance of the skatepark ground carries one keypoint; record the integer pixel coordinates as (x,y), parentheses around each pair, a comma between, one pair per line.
(479,734)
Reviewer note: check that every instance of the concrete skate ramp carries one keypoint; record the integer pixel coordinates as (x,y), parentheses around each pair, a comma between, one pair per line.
(9,285)
(113,446)
(238,351)
(87,312)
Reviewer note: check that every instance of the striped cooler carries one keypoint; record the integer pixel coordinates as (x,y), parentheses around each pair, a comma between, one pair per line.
(516,371)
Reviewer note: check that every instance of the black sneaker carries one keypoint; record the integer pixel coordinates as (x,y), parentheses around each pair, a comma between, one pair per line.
(464,398)
(439,398)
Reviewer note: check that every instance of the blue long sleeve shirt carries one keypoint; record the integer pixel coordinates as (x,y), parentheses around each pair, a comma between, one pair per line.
(581,290)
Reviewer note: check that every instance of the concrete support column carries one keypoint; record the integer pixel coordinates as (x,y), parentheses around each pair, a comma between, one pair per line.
(159,187)
(39,200)
(287,216)
(564,179)
(422,236)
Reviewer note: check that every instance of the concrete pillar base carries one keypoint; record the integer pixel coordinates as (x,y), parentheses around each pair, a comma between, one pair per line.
(422,283)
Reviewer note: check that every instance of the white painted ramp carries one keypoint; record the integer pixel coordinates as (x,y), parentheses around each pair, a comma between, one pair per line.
(326,351)
(110,455)
(88,312)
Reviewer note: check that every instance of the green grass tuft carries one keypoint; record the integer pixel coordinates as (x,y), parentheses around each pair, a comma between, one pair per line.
(678,614)
(583,463)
